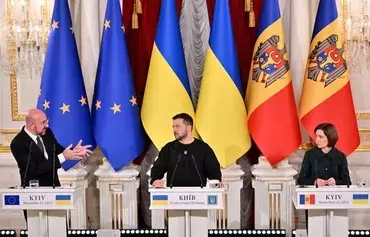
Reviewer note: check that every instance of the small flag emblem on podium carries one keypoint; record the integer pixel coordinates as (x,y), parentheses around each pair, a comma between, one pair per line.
(11,200)
(212,200)
(307,199)
(361,199)
(63,200)
(160,200)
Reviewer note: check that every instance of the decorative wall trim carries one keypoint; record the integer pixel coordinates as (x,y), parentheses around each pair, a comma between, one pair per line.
(363,116)
(4,149)
(9,131)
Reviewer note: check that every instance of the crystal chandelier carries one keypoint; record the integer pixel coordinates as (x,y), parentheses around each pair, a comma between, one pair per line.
(23,37)
(356,22)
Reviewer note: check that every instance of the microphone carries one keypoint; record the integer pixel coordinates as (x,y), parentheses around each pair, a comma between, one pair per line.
(174,171)
(196,167)
(316,158)
(28,163)
(53,165)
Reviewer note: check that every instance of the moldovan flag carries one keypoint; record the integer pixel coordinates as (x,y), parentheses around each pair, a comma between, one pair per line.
(326,94)
(221,110)
(167,90)
(273,120)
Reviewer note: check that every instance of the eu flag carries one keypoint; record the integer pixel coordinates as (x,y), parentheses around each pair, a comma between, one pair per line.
(63,96)
(116,123)
(11,200)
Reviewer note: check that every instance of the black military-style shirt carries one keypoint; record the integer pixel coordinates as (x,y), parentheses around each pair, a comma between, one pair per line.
(319,165)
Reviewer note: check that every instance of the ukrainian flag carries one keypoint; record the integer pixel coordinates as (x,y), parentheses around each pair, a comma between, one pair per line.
(167,90)
(160,200)
(361,199)
(273,119)
(63,200)
(326,94)
(221,114)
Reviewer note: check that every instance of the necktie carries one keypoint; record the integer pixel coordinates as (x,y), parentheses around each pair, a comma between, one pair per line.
(39,144)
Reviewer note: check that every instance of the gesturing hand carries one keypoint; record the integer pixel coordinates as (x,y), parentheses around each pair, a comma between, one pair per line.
(82,150)
(77,153)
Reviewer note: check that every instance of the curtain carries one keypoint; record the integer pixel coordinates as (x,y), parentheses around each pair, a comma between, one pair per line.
(140,43)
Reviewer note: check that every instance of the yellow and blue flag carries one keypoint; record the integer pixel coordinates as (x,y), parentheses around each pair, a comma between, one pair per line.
(63,200)
(360,198)
(159,200)
(63,95)
(221,114)
(167,90)
(116,121)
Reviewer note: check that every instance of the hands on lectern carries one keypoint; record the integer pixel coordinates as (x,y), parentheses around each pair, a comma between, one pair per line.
(322,182)
(159,183)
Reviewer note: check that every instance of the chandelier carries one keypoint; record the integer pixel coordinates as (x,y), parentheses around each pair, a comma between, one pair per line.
(356,23)
(23,37)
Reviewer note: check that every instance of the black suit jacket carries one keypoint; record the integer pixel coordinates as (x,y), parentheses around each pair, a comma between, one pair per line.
(39,167)
(319,165)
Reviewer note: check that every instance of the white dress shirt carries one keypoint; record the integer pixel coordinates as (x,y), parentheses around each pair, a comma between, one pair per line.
(34,137)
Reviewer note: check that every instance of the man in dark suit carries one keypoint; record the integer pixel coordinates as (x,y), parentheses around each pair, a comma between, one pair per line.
(34,147)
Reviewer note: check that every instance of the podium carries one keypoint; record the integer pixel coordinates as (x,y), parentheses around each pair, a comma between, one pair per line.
(187,208)
(46,208)
(328,207)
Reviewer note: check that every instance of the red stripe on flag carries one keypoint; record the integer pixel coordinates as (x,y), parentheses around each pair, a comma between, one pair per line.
(274,126)
(312,199)
(338,109)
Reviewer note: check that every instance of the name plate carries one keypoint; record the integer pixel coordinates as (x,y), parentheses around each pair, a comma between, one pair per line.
(337,198)
(37,201)
(186,200)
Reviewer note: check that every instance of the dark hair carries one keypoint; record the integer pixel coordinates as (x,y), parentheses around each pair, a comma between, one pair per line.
(330,132)
(188,120)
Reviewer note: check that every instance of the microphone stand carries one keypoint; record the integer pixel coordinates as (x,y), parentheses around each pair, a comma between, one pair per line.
(28,162)
(53,165)
(196,167)
(174,171)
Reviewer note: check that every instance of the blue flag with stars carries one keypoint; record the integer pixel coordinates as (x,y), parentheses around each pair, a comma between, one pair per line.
(117,127)
(63,95)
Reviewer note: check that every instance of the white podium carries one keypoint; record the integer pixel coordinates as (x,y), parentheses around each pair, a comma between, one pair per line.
(187,208)
(328,207)
(46,208)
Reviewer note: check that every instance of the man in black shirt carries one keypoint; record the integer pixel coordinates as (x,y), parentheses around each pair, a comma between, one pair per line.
(187,161)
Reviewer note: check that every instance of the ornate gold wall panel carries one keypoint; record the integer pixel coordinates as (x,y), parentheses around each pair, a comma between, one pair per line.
(8,135)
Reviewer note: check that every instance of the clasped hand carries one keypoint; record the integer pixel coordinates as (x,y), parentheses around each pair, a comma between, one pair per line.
(322,182)
(79,152)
